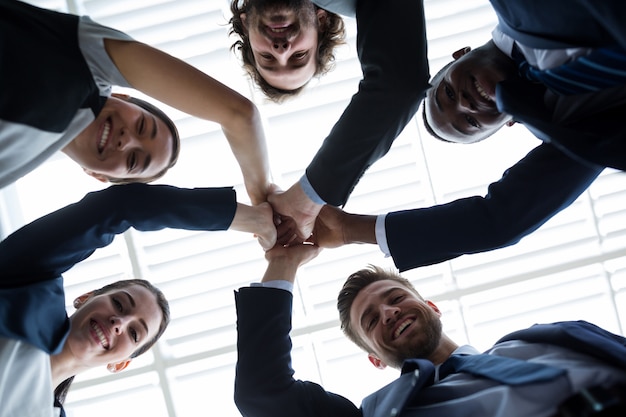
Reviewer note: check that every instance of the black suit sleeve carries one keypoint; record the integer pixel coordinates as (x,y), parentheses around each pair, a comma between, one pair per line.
(264,383)
(49,246)
(391,44)
(528,194)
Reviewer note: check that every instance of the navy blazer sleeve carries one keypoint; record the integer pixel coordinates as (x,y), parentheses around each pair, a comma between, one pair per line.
(33,258)
(528,194)
(264,383)
(395,78)
(49,246)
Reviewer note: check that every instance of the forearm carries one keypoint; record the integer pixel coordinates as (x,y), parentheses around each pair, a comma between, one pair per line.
(529,194)
(395,78)
(246,138)
(264,383)
(51,245)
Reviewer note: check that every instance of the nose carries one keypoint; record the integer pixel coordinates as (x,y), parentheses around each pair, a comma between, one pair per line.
(126,140)
(118,324)
(281,45)
(466,102)
(389,313)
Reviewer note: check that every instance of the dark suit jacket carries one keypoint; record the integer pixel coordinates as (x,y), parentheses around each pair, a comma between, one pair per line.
(33,259)
(264,383)
(551,176)
(529,193)
(600,138)
(395,79)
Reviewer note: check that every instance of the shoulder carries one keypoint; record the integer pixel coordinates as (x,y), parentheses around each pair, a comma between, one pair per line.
(28,371)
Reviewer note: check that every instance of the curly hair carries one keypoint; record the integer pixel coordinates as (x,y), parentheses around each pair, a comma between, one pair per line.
(331,35)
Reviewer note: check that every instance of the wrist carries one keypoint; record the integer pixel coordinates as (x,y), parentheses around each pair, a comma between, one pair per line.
(359,228)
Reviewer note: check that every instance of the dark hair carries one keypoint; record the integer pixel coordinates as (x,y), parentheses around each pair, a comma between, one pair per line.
(60,392)
(351,288)
(175,142)
(333,34)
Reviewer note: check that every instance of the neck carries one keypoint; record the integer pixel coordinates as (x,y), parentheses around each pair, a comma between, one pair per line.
(443,351)
(62,366)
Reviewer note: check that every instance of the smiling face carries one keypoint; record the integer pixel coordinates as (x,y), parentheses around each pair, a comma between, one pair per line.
(125,141)
(461,105)
(284,36)
(395,323)
(109,327)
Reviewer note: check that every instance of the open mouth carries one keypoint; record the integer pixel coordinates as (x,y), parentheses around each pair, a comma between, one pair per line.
(402,327)
(481,91)
(105,136)
(100,334)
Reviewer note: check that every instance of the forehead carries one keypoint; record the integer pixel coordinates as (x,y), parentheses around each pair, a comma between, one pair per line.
(290,78)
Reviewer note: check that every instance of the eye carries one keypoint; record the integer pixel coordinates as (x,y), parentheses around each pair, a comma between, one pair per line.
(372,323)
(397,299)
(267,57)
(472,121)
(132,161)
(448,92)
(133,335)
(117,304)
(300,55)
(142,124)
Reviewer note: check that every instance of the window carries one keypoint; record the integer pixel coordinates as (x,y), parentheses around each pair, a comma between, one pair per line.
(572,268)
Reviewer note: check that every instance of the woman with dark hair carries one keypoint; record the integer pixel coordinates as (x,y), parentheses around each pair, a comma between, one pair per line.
(56,79)
(40,347)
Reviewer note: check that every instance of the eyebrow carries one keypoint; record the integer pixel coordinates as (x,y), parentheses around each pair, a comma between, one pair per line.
(131,300)
(154,127)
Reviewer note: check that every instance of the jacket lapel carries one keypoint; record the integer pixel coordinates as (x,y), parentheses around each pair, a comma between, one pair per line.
(390,400)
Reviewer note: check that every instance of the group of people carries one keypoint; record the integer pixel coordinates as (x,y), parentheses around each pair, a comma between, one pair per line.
(556,368)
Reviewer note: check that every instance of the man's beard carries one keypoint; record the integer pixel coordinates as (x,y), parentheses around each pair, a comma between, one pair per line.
(430,336)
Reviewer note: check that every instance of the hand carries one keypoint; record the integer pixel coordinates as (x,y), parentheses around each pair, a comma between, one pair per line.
(295,204)
(284,261)
(329,230)
(296,254)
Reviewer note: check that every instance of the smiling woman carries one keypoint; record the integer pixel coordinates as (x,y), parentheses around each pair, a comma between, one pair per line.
(114,138)
(39,345)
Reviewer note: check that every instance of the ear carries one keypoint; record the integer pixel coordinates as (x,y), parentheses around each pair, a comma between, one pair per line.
(458,54)
(99,177)
(118,367)
(321,18)
(82,299)
(434,307)
(125,97)
(244,22)
(376,361)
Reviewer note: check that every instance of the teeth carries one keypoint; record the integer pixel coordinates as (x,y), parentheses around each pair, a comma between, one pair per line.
(482,92)
(103,341)
(278,30)
(401,328)
(105,135)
